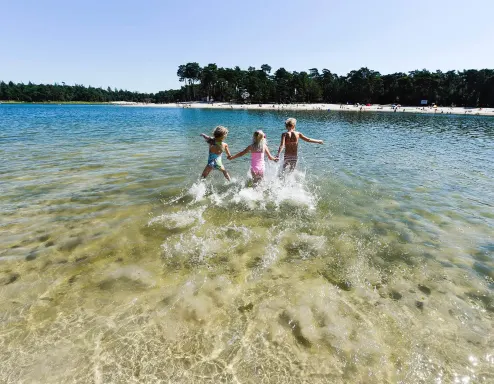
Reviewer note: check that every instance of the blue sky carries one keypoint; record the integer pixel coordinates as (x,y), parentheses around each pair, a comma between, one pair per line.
(138,45)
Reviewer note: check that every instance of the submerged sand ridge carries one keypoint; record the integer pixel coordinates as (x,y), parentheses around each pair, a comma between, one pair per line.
(227,283)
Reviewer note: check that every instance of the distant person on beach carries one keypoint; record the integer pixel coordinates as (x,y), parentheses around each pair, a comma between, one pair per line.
(216,149)
(257,150)
(289,141)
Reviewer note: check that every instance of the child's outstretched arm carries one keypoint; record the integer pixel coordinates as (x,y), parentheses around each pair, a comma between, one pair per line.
(206,137)
(282,144)
(310,140)
(246,150)
(270,157)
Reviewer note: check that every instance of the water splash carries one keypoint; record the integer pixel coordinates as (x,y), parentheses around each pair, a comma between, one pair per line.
(179,219)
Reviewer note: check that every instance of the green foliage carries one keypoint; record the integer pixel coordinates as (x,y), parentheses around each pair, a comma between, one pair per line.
(42,93)
(473,88)
(468,88)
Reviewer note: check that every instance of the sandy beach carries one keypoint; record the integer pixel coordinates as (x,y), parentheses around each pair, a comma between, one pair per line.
(322,107)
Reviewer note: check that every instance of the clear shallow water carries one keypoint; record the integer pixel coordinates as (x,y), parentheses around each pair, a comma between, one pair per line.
(372,263)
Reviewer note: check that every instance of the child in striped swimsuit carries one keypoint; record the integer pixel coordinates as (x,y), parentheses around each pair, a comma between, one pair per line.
(257,150)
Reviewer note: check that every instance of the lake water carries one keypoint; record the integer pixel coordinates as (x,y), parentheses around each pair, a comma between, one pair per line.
(372,263)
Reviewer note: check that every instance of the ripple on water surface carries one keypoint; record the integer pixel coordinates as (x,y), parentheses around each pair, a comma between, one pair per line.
(372,263)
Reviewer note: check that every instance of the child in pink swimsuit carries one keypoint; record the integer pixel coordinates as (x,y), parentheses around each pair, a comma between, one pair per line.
(257,150)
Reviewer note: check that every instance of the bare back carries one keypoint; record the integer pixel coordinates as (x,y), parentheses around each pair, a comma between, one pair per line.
(291,143)
(216,147)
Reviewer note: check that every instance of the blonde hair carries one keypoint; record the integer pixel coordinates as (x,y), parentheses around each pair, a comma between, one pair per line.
(258,141)
(290,122)
(220,132)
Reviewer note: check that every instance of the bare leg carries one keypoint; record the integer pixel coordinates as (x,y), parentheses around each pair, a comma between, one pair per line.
(225,173)
(290,164)
(206,171)
(256,178)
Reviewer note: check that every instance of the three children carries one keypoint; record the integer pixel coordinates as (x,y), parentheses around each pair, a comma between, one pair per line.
(289,142)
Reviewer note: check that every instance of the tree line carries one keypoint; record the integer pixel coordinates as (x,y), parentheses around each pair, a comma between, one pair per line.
(460,88)
(473,88)
(40,93)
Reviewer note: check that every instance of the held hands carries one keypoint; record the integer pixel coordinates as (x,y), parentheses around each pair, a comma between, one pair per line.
(229,157)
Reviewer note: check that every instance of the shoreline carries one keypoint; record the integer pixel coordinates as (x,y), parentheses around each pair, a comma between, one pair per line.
(321,107)
(284,107)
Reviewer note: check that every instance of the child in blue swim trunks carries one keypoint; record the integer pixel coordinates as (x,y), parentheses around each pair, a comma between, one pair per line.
(216,149)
